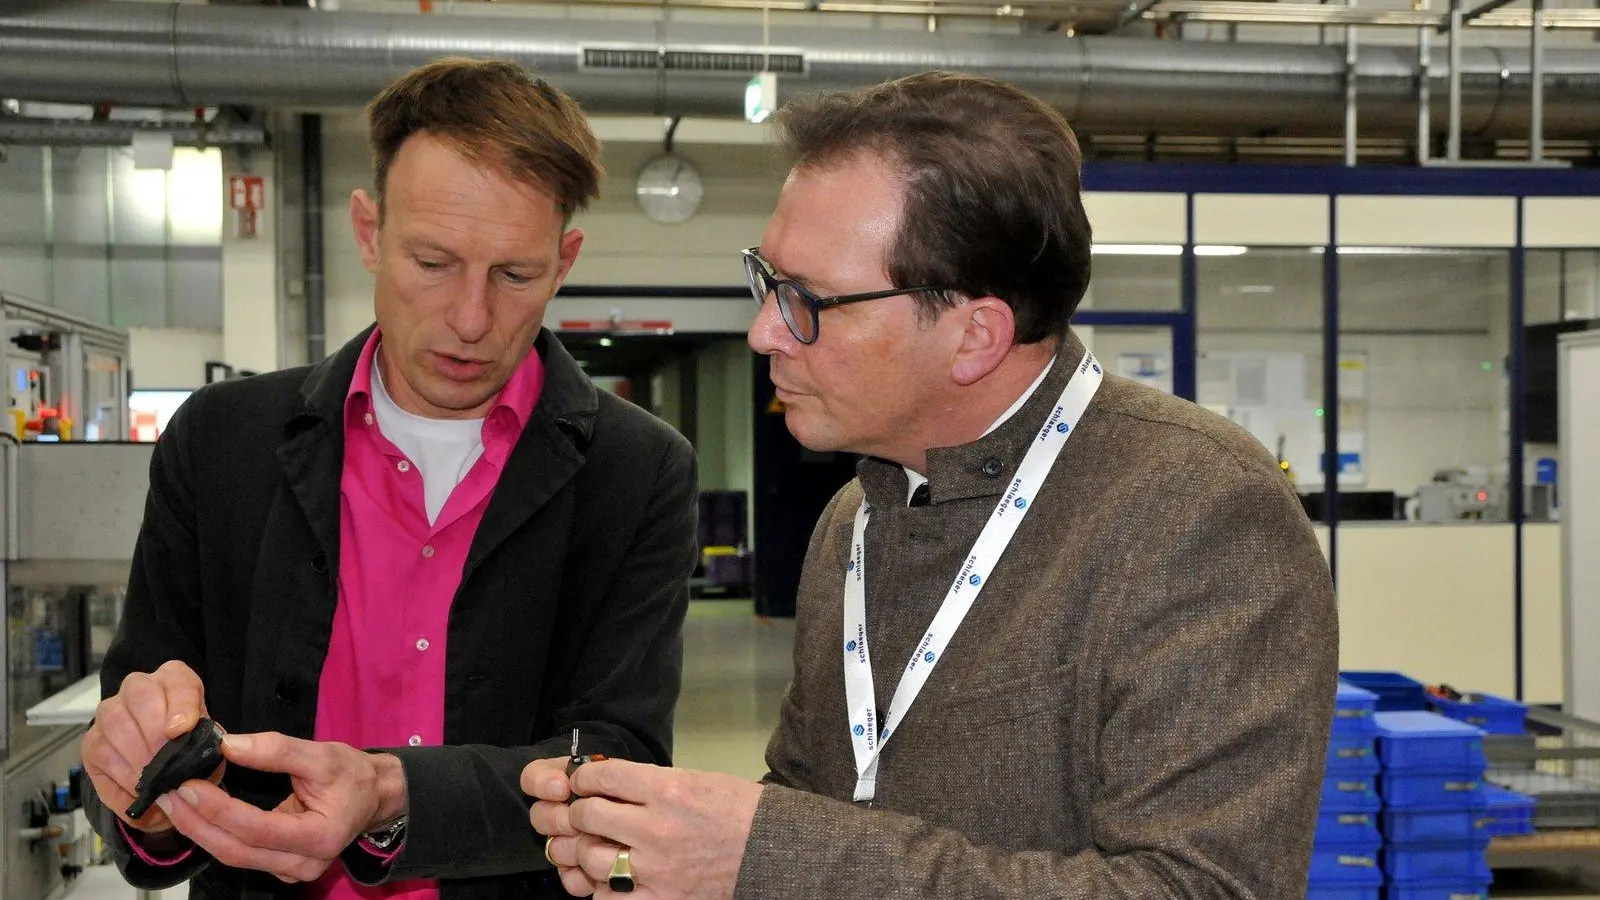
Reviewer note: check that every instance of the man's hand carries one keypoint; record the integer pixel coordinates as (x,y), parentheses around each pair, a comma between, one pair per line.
(131,727)
(685,831)
(339,793)
(545,780)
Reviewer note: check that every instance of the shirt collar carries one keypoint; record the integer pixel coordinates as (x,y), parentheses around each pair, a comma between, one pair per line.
(509,414)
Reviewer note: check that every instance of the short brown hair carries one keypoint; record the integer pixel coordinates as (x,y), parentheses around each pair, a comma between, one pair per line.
(491,110)
(993,203)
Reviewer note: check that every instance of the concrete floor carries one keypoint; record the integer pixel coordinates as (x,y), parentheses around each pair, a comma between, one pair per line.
(736,668)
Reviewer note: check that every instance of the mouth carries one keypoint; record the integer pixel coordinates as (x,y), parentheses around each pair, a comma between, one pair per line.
(459,368)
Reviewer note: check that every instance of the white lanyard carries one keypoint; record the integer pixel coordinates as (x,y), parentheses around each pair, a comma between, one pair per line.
(867,734)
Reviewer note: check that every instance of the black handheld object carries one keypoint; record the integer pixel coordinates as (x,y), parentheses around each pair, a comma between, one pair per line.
(194,755)
(574,760)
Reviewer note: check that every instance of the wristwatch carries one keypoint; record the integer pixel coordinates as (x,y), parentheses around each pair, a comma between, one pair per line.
(384,837)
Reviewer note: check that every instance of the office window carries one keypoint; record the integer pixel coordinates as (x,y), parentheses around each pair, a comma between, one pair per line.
(1259,318)
(1423,379)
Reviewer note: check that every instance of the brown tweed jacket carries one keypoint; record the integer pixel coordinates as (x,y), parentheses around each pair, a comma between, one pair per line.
(1137,706)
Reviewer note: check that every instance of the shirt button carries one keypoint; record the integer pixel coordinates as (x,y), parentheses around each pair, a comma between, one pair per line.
(367,418)
(404,466)
(422,643)
(427,552)
(415,741)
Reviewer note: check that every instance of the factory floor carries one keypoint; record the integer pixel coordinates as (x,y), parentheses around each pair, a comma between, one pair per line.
(735,671)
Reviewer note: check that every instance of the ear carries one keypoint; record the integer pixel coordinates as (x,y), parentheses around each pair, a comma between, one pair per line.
(364,221)
(571,243)
(989,329)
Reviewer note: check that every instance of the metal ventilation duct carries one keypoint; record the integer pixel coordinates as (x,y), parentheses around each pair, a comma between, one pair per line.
(179,54)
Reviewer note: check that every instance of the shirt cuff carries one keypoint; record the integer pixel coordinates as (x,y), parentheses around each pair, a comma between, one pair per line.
(135,841)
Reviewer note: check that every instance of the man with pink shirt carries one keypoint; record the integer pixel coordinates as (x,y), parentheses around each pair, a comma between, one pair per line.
(398,577)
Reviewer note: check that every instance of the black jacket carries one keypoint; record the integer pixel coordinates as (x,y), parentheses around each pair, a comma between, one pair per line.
(569,613)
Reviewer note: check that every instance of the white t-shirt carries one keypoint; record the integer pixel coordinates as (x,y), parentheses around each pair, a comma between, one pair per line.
(442,450)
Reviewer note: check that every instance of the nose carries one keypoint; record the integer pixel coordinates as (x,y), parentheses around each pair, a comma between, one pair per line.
(769,334)
(468,316)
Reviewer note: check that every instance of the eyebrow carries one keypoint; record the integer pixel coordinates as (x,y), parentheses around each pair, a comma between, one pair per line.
(805,281)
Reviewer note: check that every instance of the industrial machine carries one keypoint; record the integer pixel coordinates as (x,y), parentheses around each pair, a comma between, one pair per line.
(66,377)
(69,515)
(1458,494)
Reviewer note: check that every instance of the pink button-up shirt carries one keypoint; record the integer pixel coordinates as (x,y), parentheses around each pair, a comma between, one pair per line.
(384,679)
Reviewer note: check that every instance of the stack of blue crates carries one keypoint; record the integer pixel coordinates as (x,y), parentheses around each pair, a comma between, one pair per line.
(1345,861)
(1434,822)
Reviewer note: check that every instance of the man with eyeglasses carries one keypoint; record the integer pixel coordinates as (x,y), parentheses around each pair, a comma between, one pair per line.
(1064,636)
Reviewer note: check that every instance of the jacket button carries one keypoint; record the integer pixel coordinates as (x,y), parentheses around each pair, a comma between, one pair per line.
(992,467)
(319,563)
(288,690)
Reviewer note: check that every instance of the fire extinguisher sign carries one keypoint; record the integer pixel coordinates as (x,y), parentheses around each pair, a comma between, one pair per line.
(247,192)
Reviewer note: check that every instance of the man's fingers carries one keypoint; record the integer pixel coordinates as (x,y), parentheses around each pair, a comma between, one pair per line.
(230,851)
(185,696)
(115,722)
(595,856)
(549,817)
(563,851)
(545,779)
(255,827)
(623,823)
(269,751)
(111,763)
(145,700)
(576,882)
(618,779)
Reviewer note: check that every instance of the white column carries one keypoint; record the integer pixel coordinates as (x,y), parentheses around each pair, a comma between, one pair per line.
(249,276)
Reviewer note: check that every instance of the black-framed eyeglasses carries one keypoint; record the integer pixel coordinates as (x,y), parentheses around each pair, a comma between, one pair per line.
(802,309)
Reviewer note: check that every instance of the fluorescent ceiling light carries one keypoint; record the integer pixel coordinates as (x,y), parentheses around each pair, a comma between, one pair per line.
(1166,250)
(1413,251)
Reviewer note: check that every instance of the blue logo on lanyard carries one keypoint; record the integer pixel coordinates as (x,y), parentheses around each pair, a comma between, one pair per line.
(850,566)
(927,657)
(1062,427)
(976,580)
(1022,503)
(850,647)
(1097,368)
(859,730)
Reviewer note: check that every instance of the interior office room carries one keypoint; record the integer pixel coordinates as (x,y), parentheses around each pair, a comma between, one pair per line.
(1399,299)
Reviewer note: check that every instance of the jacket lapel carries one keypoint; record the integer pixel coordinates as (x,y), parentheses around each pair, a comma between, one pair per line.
(312,453)
(546,456)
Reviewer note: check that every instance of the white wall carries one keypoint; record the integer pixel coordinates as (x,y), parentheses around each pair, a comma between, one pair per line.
(172,357)
(1434,601)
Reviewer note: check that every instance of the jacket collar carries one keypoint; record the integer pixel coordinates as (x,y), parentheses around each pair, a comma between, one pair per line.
(984,467)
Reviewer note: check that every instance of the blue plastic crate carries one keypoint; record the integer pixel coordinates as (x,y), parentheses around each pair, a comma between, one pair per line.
(1403,827)
(1395,691)
(1507,812)
(1344,892)
(1442,862)
(1352,754)
(1349,793)
(1352,711)
(1428,742)
(1349,828)
(1348,865)
(1465,889)
(1495,715)
(1432,790)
